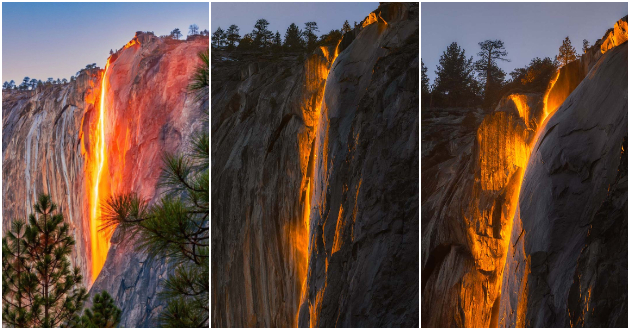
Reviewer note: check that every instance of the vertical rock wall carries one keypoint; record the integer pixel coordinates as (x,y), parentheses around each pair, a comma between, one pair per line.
(149,112)
(363,248)
(46,137)
(568,259)
(468,228)
(264,113)
(268,126)
(469,211)
(43,152)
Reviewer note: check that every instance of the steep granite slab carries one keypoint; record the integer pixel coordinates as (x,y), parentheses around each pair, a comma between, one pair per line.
(43,152)
(567,262)
(262,122)
(150,112)
(363,269)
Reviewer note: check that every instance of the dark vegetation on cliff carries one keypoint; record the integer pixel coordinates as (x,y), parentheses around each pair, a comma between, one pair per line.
(39,288)
(261,40)
(456,85)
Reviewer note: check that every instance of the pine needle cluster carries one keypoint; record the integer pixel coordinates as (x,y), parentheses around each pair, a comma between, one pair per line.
(39,287)
(103,314)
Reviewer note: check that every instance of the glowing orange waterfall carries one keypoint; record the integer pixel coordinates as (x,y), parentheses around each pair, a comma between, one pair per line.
(549,109)
(95,169)
(315,70)
(546,98)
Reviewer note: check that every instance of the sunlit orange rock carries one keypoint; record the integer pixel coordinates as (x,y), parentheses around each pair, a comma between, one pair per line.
(44,150)
(578,167)
(50,142)
(616,36)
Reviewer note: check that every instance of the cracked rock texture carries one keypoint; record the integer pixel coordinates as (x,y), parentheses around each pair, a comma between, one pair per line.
(46,137)
(41,152)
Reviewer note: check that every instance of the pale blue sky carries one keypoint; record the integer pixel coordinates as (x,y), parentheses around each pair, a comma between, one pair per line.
(528,30)
(327,15)
(42,40)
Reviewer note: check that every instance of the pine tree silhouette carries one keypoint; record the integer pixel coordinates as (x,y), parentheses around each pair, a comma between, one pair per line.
(39,287)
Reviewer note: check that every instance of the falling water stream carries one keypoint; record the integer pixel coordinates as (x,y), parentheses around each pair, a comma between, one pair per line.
(96,169)
(323,71)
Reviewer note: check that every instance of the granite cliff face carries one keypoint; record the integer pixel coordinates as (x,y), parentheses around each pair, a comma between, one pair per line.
(569,267)
(46,143)
(501,244)
(314,200)
(262,121)
(363,269)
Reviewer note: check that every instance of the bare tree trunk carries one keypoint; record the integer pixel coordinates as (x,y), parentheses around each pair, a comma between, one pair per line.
(488,76)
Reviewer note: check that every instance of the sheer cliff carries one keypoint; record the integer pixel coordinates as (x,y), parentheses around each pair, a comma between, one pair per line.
(314,181)
(569,267)
(518,205)
(48,140)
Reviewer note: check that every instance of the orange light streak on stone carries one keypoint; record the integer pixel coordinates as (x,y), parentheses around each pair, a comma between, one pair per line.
(95,167)
(315,71)
(546,97)
(520,101)
(521,104)
(370,19)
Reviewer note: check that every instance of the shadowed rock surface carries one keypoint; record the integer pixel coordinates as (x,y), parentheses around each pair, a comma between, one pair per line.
(363,269)
(569,267)
(474,267)
(472,165)
(269,124)
(46,137)
(262,122)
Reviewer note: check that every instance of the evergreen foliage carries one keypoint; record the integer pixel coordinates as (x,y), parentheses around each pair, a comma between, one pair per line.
(232,36)
(261,35)
(193,29)
(293,38)
(425,92)
(246,43)
(490,74)
(567,52)
(277,42)
(332,38)
(454,83)
(217,37)
(103,314)
(200,81)
(39,287)
(310,38)
(585,45)
(25,83)
(534,77)
(176,34)
(346,27)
